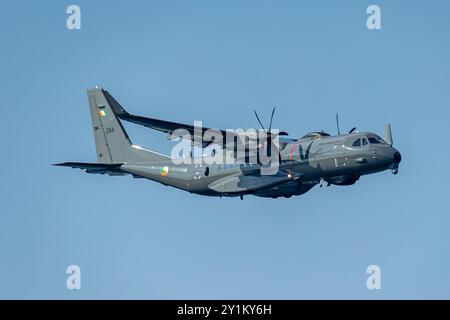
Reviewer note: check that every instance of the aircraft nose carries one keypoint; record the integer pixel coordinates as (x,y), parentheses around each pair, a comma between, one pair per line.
(397,157)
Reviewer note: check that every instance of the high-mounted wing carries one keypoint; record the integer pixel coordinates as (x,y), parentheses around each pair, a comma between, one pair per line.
(171,127)
(168,127)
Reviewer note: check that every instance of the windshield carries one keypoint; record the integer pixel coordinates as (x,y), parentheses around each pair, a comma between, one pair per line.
(363,141)
(357,143)
(376,140)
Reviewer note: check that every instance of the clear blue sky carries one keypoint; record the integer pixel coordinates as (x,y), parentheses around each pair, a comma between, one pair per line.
(215,61)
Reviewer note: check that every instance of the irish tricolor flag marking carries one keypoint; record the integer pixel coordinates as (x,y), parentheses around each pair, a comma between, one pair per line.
(164,171)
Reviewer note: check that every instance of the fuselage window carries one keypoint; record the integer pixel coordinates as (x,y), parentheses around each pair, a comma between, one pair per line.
(357,143)
(207,171)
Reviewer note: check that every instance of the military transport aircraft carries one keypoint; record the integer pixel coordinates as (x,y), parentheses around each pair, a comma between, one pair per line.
(315,158)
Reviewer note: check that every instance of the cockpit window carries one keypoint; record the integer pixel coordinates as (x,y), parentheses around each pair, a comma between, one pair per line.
(373,140)
(357,143)
(364,141)
(376,140)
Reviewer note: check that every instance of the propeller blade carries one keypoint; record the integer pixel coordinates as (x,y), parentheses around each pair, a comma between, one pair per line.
(353,129)
(271,118)
(257,118)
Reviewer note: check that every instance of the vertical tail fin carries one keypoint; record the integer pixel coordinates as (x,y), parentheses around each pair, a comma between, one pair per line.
(111,140)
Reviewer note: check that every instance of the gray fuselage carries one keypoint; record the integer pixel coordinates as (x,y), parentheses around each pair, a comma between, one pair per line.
(338,160)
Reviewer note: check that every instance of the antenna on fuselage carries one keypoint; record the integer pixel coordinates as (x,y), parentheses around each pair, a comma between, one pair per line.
(337,124)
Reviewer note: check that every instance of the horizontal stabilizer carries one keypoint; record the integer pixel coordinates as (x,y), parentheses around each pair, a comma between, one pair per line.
(101,168)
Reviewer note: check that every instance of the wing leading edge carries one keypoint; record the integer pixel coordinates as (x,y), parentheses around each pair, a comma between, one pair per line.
(170,127)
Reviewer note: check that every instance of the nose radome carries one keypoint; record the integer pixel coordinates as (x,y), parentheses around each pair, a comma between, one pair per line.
(397,157)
